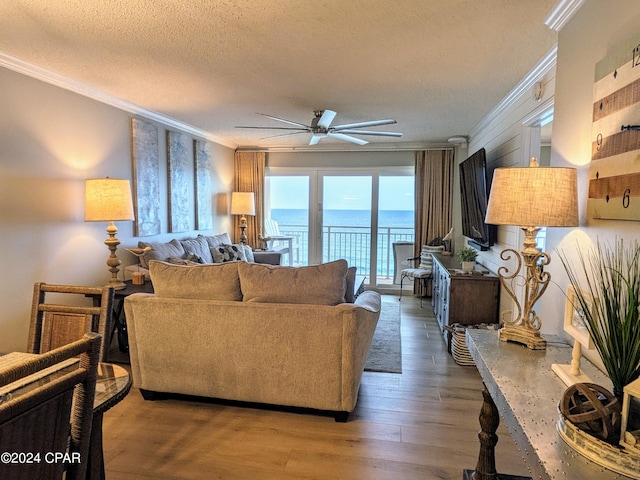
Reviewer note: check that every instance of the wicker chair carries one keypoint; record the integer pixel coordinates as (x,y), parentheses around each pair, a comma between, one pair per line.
(40,419)
(54,325)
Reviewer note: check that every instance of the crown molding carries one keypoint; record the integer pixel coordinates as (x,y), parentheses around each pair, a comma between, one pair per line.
(564,11)
(523,88)
(52,78)
(375,147)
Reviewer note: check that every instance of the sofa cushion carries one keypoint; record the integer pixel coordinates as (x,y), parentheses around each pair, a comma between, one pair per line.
(197,247)
(161,251)
(323,284)
(202,282)
(217,240)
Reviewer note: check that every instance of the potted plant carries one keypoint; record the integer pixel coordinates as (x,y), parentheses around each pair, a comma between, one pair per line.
(467,257)
(607,285)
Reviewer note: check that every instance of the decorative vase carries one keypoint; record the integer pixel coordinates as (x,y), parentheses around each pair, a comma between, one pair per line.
(468,267)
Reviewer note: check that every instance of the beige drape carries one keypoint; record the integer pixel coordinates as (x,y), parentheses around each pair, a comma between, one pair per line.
(249,172)
(434,195)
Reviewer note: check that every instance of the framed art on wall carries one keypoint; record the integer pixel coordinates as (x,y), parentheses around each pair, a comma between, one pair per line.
(203,193)
(146,177)
(179,181)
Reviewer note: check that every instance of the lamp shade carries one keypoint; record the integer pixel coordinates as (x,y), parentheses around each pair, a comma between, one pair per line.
(107,200)
(243,203)
(534,197)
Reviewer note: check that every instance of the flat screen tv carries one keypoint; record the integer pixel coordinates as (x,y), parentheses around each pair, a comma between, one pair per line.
(474,197)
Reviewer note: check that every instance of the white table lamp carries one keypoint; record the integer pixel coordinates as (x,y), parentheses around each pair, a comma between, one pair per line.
(243,203)
(530,197)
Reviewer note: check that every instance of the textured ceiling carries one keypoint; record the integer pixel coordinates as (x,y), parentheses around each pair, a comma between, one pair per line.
(437,67)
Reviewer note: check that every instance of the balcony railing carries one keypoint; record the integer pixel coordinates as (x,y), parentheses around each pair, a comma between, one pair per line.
(353,244)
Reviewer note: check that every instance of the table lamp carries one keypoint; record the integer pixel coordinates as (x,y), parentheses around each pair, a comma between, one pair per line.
(243,203)
(530,197)
(109,200)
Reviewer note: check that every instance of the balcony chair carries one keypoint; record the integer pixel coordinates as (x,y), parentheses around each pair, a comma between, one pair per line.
(402,253)
(281,243)
(54,325)
(55,416)
(423,272)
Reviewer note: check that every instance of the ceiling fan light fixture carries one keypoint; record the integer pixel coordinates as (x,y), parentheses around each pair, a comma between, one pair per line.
(321,127)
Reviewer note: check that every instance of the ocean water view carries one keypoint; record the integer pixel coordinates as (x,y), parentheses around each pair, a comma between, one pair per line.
(356,218)
(347,234)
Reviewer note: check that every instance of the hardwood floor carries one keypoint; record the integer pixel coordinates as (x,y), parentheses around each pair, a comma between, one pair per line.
(421,424)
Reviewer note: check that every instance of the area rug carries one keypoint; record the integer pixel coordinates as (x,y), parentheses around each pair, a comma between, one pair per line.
(385,353)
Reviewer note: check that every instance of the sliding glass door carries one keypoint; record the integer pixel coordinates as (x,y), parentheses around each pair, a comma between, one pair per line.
(346,220)
(287,216)
(352,214)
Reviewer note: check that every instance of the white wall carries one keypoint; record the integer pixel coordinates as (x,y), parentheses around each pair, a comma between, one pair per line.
(51,140)
(586,39)
(596,29)
(510,139)
(330,159)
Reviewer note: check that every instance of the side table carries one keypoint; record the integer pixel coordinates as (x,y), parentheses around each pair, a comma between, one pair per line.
(119,320)
(269,257)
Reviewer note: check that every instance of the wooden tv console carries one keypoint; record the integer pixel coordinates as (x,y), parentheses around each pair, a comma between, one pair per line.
(463,298)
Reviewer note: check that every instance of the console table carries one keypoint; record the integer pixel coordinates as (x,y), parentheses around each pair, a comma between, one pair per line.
(520,384)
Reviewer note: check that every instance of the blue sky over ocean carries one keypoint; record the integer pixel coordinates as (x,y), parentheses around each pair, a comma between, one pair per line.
(344,193)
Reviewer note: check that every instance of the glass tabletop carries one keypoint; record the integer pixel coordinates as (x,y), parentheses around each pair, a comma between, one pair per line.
(112,385)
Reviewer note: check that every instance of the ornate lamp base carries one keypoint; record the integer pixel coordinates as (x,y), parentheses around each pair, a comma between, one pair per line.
(524,336)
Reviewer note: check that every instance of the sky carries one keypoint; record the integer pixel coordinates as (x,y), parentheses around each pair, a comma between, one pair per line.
(344,192)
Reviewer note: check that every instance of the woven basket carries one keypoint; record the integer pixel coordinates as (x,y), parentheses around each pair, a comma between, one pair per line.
(459,349)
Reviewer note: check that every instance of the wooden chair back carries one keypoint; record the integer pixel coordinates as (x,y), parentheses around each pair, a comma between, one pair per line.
(54,324)
(53,412)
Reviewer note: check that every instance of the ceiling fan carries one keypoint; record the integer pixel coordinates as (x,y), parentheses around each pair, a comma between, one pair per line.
(321,127)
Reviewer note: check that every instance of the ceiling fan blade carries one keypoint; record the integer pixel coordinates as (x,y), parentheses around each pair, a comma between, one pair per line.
(282,135)
(371,132)
(285,121)
(315,139)
(372,123)
(347,138)
(326,118)
(305,129)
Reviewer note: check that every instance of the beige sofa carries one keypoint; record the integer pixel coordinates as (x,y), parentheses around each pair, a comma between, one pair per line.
(253,333)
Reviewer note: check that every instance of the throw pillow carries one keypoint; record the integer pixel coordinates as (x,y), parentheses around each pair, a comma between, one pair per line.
(200,282)
(198,247)
(426,260)
(247,252)
(226,253)
(181,261)
(323,284)
(161,251)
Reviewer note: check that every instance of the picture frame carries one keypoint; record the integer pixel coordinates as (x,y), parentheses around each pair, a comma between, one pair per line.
(179,181)
(203,190)
(574,318)
(145,156)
